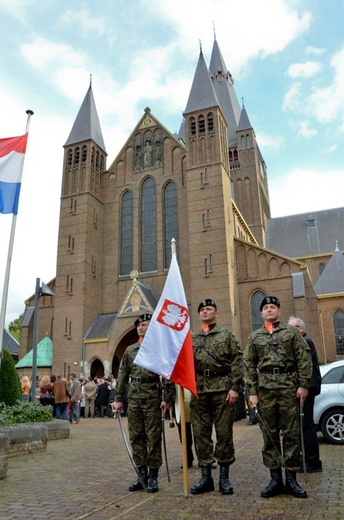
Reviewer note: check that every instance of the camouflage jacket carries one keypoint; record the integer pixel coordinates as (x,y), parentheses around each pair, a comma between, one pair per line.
(218,360)
(128,372)
(284,349)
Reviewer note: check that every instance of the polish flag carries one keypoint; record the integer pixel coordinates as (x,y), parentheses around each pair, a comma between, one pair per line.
(166,349)
(12,154)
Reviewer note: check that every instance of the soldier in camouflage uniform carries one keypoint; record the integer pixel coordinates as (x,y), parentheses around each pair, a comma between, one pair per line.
(144,410)
(218,366)
(277,369)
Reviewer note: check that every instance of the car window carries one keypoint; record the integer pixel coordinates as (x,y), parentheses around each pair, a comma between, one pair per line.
(334,376)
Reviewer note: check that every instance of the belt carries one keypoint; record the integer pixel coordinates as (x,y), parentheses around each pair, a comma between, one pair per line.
(149,379)
(276,371)
(209,373)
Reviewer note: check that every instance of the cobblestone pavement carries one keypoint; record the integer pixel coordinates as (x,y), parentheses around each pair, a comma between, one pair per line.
(87,477)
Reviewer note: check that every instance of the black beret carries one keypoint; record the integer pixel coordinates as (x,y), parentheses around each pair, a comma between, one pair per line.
(270,300)
(207,303)
(143,317)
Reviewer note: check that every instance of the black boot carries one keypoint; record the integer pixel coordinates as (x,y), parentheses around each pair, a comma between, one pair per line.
(276,486)
(291,485)
(205,484)
(137,486)
(152,484)
(224,485)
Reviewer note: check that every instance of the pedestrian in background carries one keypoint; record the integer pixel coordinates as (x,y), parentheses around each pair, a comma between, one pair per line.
(312,455)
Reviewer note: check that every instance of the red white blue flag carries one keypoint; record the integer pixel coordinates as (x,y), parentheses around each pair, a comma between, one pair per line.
(12,154)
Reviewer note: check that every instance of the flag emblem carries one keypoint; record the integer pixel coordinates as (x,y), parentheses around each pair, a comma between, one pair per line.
(173,315)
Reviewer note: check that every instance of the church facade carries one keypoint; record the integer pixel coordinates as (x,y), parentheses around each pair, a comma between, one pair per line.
(205,187)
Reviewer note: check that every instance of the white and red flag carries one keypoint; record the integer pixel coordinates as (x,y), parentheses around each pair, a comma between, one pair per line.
(167,347)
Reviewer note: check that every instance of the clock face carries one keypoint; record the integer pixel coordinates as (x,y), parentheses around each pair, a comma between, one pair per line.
(147,121)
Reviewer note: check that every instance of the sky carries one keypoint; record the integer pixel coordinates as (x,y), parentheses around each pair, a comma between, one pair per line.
(286,58)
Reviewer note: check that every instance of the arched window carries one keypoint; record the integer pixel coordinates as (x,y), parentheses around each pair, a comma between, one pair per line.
(77,156)
(69,158)
(248,141)
(171,220)
(338,325)
(97,160)
(148,226)
(242,141)
(201,124)
(192,126)
(127,233)
(210,119)
(236,154)
(84,154)
(256,317)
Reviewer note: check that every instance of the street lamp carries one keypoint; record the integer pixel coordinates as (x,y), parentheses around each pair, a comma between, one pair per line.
(40,291)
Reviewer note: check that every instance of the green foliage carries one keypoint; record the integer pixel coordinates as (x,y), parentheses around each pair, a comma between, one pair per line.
(10,387)
(21,413)
(15,327)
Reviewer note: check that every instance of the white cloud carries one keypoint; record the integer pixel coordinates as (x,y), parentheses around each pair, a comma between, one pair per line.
(330,149)
(310,68)
(304,130)
(270,143)
(43,54)
(314,50)
(299,188)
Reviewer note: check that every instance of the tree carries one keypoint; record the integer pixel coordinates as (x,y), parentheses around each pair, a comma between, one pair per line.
(10,387)
(15,327)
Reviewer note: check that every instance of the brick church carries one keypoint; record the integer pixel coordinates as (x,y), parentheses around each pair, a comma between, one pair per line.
(206,187)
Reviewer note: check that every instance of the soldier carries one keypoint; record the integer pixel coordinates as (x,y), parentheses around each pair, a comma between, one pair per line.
(218,366)
(277,369)
(144,410)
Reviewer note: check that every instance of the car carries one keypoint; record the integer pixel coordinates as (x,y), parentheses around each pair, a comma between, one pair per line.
(329,404)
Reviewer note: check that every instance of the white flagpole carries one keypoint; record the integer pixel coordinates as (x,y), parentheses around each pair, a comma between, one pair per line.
(9,260)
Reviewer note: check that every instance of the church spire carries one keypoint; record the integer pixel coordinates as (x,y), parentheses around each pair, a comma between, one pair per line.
(86,126)
(202,94)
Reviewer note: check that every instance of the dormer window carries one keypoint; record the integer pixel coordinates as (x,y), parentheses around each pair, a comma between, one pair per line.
(312,223)
(219,76)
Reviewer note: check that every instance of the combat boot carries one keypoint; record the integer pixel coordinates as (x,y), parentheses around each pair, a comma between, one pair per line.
(292,487)
(224,485)
(152,484)
(276,486)
(137,486)
(205,484)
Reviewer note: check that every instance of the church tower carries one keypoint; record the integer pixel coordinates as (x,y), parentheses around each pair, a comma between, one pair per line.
(210,224)
(79,255)
(248,169)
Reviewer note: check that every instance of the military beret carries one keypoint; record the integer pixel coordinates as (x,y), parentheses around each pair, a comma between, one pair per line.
(143,317)
(270,300)
(207,303)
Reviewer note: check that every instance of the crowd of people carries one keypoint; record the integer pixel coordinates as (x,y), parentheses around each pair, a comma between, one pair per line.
(74,398)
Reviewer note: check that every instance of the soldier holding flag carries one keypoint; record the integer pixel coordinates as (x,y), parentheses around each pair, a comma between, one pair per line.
(144,410)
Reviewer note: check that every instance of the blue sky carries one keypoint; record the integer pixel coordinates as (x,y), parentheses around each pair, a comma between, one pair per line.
(286,58)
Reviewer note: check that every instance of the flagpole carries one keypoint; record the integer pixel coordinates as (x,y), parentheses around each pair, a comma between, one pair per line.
(181,403)
(9,260)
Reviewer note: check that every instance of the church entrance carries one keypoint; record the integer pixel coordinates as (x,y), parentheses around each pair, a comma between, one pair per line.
(130,338)
(97,369)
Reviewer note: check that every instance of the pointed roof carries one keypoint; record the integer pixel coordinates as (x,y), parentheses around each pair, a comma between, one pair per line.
(225,92)
(86,126)
(331,280)
(44,355)
(101,327)
(10,343)
(202,94)
(140,298)
(244,122)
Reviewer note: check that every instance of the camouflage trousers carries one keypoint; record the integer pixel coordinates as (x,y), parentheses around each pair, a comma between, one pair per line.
(280,412)
(144,423)
(205,411)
